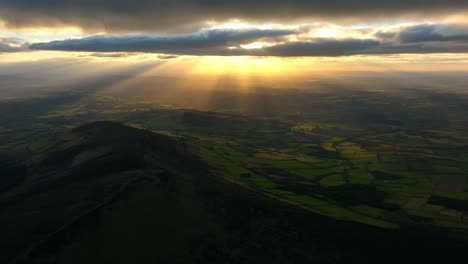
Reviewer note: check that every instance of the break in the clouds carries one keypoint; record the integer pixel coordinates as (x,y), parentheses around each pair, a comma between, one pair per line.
(299,41)
(175,15)
(11,45)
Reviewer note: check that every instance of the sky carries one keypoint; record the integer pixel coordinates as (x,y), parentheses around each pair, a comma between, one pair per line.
(290,35)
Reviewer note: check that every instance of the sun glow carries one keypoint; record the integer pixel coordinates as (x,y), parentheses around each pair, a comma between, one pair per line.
(242,65)
(325,33)
(237,24)
(230,25)
(255,45)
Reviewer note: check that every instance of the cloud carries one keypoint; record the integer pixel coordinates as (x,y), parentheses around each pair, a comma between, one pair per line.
(321,47)
(11,45)
(192,43)
(109,55)
(418,48)
(193,46)
(434,32)
(385,35)
(167,57)
(423,39)
(176,15)
(348,47)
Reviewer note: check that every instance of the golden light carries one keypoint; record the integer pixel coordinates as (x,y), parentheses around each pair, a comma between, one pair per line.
(248,70)
(237,24)
(241,65)
(69,30)
(256,45)
(232,25)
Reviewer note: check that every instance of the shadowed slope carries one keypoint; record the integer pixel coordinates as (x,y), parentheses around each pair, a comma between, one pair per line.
(107,193)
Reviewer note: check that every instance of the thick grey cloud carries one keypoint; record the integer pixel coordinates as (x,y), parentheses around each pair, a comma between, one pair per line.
(418,48)
(385,36)
(194,43)
(109,55)
(415,39)
(214,42)
(11,45)
(322,48)
(172,15)
(434,32)
(353,47)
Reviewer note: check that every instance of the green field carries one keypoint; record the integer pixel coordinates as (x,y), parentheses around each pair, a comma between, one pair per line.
(389,171)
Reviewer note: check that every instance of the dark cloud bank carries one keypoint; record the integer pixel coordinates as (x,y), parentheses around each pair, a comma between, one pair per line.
(421,33)
(426,38)
(201,42)
(173,15)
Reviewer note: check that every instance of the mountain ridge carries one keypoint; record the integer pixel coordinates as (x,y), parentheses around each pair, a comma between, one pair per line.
(124,187)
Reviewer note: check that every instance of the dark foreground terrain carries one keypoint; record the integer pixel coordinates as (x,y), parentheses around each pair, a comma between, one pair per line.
(108,193)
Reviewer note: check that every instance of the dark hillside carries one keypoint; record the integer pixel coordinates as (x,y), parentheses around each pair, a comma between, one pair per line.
(107,193)
(87,167)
